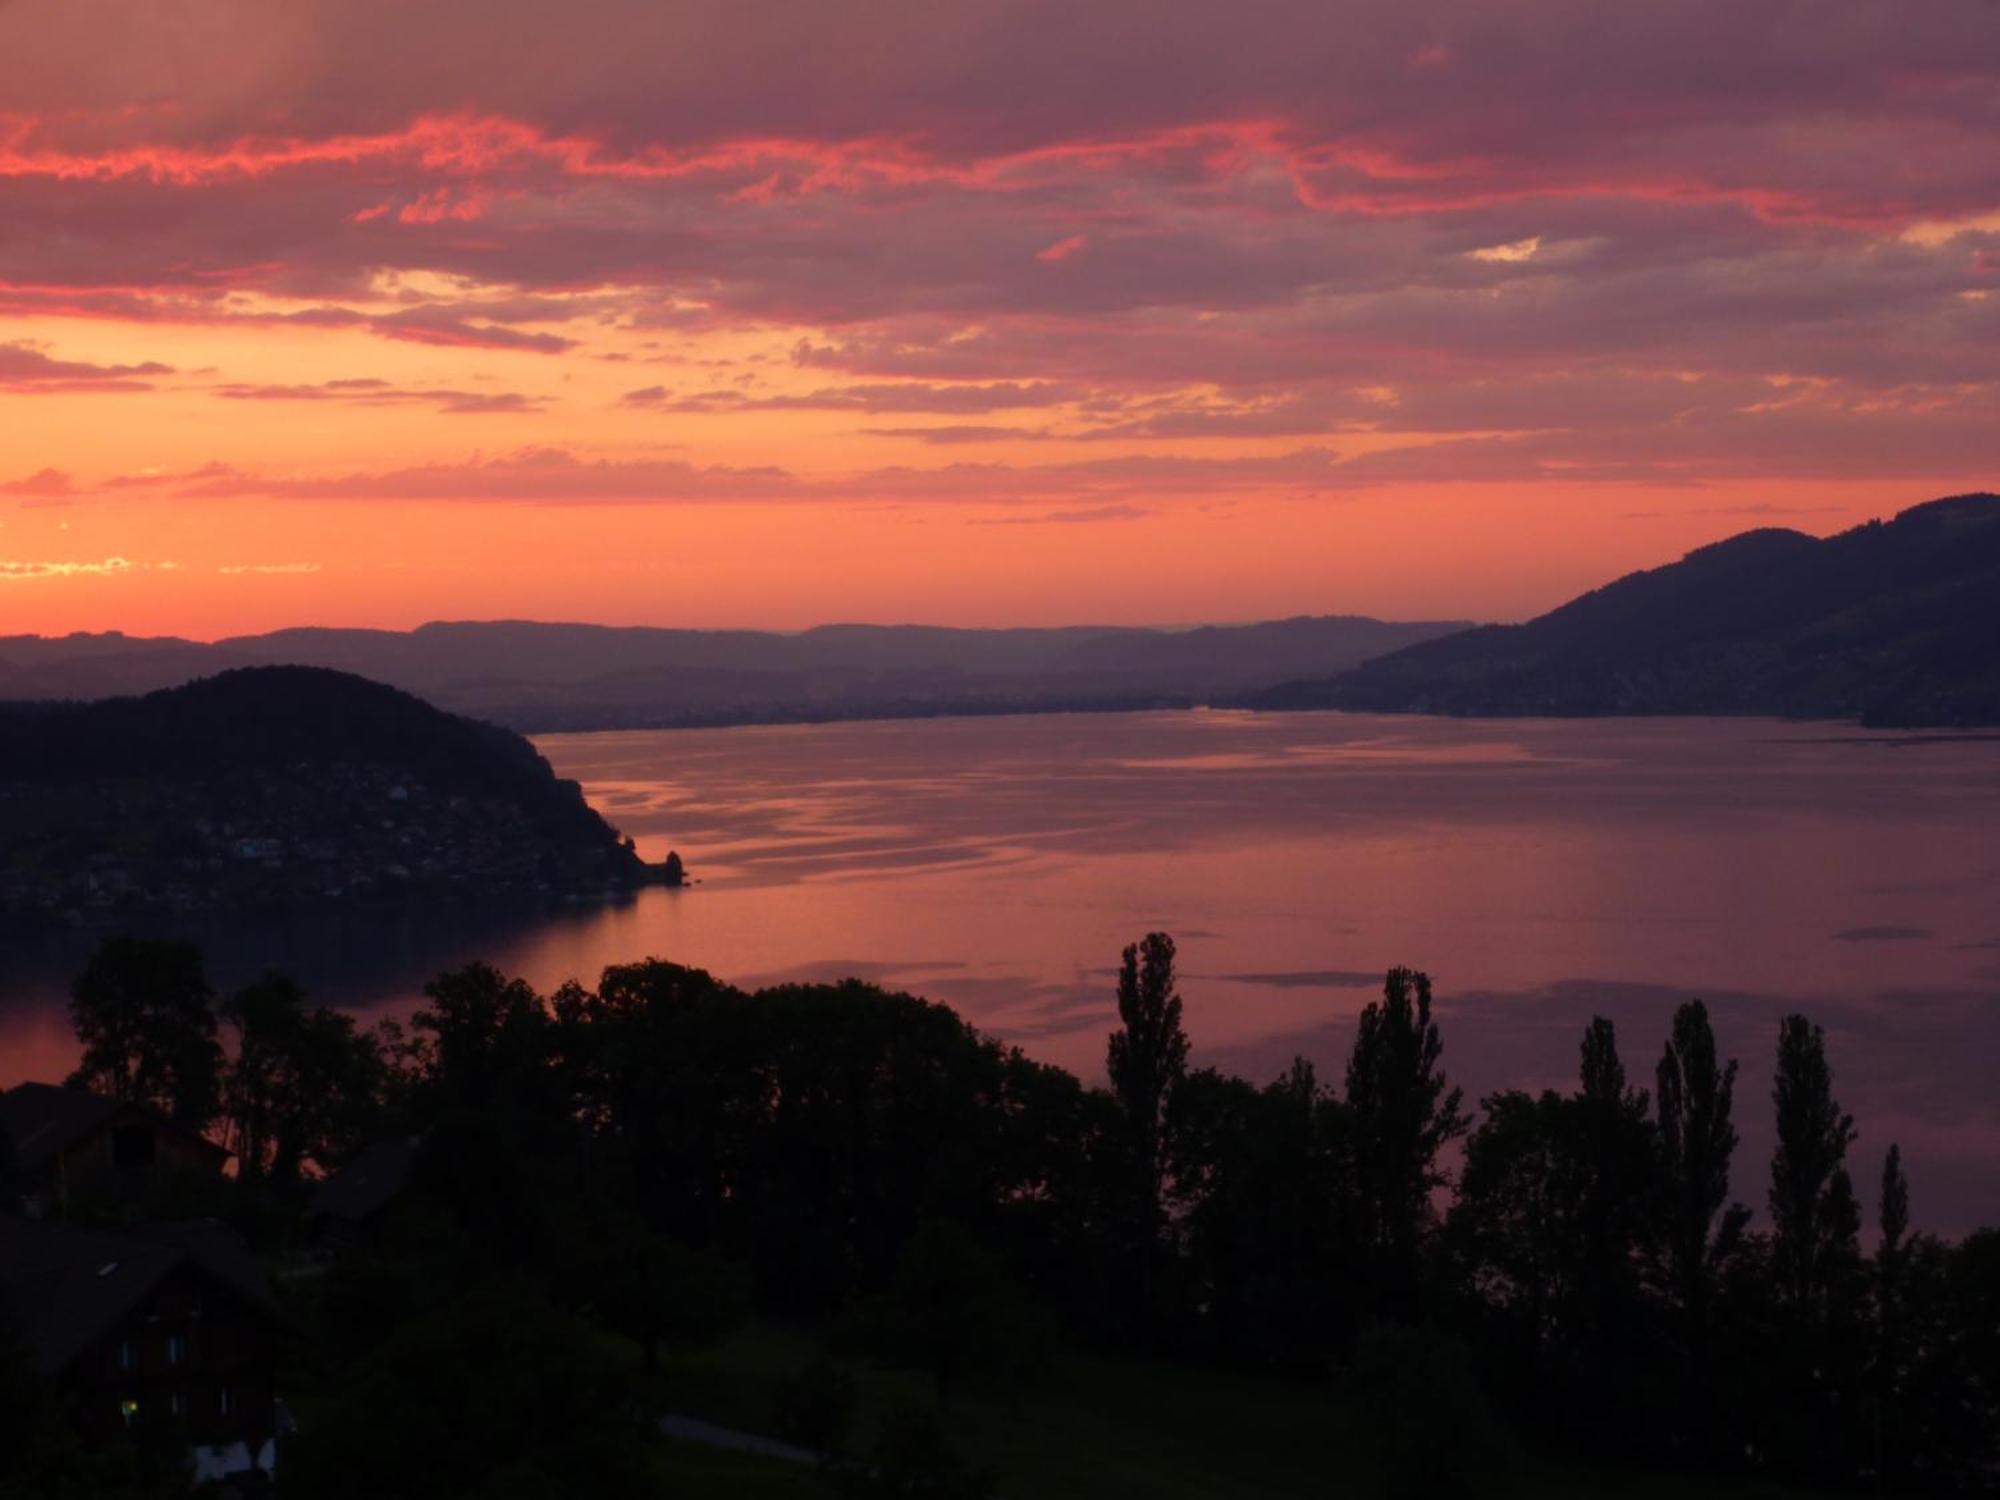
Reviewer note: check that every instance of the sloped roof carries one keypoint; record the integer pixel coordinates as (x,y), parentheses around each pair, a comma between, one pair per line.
(369,1183)
(68,1287)
(45,1119)
(41,1119)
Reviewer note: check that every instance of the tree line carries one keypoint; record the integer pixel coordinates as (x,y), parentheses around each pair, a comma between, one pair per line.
(662,1151)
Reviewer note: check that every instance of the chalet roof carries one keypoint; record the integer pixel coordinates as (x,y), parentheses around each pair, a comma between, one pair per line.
(369,1183)
(68,1287)
(41,1119)
(44,1119)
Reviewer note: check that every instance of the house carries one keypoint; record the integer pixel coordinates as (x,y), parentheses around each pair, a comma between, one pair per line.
(170,1324)
(71,1145)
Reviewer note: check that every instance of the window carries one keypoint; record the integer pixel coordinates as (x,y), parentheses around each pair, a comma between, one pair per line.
(128,1410)
(176,1404)
(128,1355)
(177,1349)
(225,1401)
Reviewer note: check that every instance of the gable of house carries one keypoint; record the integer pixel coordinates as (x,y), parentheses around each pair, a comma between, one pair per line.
(61,1135)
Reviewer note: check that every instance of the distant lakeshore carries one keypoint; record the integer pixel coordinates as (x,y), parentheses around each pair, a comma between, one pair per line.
(1893,624)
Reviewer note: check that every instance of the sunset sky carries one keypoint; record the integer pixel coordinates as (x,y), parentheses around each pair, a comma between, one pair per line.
(743,313)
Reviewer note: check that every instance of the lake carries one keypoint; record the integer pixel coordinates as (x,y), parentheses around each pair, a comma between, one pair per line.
(1541,871)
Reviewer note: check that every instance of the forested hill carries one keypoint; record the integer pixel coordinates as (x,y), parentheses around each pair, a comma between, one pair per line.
(1895,623)
(273,785)
(534,677)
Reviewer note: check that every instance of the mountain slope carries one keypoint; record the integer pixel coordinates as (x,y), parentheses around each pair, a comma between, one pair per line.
(275,785)
(1894,623)
(534,677)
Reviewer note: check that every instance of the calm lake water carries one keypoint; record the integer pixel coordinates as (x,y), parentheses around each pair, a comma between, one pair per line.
(1541,871)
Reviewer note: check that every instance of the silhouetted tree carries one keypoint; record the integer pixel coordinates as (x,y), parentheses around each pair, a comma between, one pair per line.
(1547,1223)
(1697,1138)
(659,1075)
(645,1154)
(486,1043)
(1147,1058)
(1611,1329)
(1259,1186)
(1699,1232)
(1814,1216)
(1617,1138)
(1402,1112)
(1973,1285)
(304,1085)
(1056,1153)
(1603,1071)
(1817,1368)
(1518,1221)
(1891,1255)
(806,1131)
(1939,1422)
(144,1012)
(1894,1217)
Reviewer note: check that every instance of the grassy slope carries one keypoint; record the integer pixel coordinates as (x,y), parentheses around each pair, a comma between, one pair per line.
(1104,1427)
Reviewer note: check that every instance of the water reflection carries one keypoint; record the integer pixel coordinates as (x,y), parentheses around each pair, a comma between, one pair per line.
(1542,871)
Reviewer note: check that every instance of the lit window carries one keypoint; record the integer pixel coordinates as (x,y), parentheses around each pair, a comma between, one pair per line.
(129,1410)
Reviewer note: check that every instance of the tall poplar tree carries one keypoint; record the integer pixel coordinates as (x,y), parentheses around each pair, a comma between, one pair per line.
(1403,1112)
(1147,1059)
(1815,1220)
(1699,1229)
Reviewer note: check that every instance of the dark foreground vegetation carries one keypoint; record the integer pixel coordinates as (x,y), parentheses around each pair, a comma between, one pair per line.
(844,1219)
(1893,623)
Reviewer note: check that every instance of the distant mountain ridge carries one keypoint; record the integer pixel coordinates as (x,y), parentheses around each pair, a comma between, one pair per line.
(536,677)
(275,786)
(1894,623)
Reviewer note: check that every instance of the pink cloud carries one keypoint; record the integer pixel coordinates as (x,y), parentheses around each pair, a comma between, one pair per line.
(43,484)
(370,392)
(1225,246)
(26,370)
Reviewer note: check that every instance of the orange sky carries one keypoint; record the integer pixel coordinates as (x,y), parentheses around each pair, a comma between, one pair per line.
(1411,310)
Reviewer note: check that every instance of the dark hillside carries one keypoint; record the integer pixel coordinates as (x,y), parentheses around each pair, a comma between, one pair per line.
(272,785)
(1894,623)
